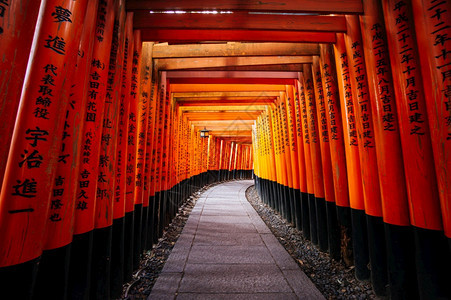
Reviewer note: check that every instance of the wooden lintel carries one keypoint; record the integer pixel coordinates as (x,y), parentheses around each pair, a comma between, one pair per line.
(179,88)
(288,68)
(192,63)
(302,6)
(164,50)
(145,20)
(199,35)
(230,74)
(204,94)
(229,108)
(219,102)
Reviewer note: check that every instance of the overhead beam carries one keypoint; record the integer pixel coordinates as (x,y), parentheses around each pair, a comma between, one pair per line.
(199,35)
(229,108)
(305,6)
(144,20)
(225,94)
(164,50)
(230,74)
(193,63)
(288,67)
(198,102)
(178,88)
(221,123)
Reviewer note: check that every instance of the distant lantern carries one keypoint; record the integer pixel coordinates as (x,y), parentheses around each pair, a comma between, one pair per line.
(204,133)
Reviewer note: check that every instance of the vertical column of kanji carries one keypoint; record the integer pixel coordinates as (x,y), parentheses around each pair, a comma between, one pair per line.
(261,152)
(433,28)
(81,252)
(285,157)
(289,157)
(359,236)
(317,206)
(140,89)
(300,150)
(133,139)
(150,166)
(367,151)
(399,235)
(336,142)
(17,24)
(293,122)
(331,223)
(425,214)
(119,236)
(165,153)
(158,155)
(52,277)
(280,205)
(307,159)
(105,259)
(35,143)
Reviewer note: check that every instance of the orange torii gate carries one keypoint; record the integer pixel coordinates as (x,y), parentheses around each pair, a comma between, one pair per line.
(355,128)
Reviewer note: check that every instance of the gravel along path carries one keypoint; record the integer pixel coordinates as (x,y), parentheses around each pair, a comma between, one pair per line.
(333,279)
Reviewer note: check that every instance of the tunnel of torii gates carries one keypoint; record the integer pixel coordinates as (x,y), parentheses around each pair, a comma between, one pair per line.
(339,110)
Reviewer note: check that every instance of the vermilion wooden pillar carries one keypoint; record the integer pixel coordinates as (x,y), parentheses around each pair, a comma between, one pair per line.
(134,119)
(424,201)
(433,29)
(301,159)
(119,236)
(337,149)
(399,235)
(288,189)
(30,169)
(85,202)
(308,161)
(106,252)
(291,116)
(316,203)
(359,235)
(54,267)
(367,153)
(17,25)
(333,234)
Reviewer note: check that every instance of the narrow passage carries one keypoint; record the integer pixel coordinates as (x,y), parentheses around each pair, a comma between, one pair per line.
(226,251)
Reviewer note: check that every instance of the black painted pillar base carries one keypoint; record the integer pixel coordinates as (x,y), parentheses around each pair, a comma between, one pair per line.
(346,242)
(80,259)
(137,236)
(53,274)
(333,231)
(378,254)
(288,197)
(129,231)
(18,281)
(313,219)
(305,215)
(150,223)
(360,244)
(321,219)
(144,228)
(298,209)
(117,258)
(433,260)
(292,207)
(401,262)
(101,263)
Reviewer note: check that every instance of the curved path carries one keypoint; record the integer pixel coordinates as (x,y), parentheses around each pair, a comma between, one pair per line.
(226,251)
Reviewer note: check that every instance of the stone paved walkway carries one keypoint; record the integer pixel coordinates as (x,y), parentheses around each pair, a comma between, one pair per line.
(226,251)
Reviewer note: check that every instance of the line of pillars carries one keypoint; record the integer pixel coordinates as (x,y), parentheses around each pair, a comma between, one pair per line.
(96,159)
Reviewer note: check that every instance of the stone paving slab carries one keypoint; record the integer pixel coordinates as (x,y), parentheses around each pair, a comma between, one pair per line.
(226,251)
